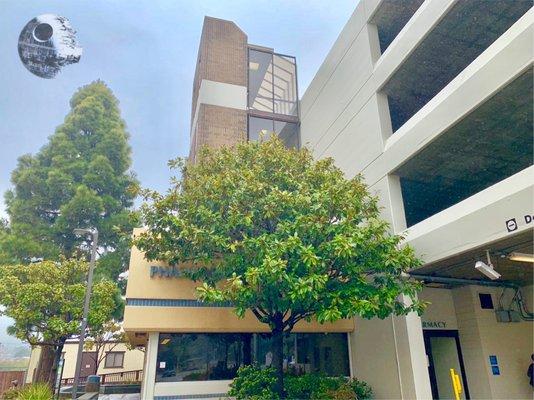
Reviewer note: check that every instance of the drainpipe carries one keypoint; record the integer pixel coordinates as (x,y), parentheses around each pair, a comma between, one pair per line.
(526,315)
(460,281)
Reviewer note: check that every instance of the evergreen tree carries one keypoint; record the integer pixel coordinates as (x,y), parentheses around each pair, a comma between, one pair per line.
(80,178)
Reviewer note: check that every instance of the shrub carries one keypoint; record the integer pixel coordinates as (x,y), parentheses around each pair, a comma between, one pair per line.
(343,392)
(38,391)
(11,394)
(362,389)
(253,383)
(310,386)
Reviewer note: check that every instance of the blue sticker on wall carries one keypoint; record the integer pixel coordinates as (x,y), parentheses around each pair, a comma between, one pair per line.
(493,360)
(495,370)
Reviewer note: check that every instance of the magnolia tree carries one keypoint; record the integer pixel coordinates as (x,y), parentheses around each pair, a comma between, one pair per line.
(282,235)
(46,299)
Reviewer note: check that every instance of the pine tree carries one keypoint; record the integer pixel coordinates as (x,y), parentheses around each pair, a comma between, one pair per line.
(80,178)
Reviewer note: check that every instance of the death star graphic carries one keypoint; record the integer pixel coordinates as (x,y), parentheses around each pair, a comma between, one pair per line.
(48,43)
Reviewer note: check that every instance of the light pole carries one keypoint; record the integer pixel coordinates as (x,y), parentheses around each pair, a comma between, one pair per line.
(94,236)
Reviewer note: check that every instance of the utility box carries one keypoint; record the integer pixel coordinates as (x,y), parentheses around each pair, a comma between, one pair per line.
(93,384)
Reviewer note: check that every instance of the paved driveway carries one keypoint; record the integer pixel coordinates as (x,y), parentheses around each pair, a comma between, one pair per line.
(131,396)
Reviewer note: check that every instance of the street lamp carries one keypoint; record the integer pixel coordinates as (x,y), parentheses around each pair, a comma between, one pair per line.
(94,236)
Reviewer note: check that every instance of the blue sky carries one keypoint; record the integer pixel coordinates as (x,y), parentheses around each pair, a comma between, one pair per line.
(145,50)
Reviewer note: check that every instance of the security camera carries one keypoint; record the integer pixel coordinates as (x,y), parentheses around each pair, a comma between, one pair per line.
(487,269)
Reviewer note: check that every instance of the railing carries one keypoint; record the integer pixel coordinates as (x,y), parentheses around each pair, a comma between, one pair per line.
(115,377)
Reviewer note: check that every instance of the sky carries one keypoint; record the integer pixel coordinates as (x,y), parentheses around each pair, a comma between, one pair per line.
(145,50)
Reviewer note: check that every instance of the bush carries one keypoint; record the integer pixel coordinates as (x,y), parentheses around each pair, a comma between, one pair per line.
(10,394)
(343,392)
(38,391)
(362,389)
(253,383)
(310,386)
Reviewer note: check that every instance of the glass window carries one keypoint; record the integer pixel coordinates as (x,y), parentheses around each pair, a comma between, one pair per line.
(264,127)
(201,357)
(272,83)
(260,127)
(288,132)
(309,352)
(217,356)
(114,359)
(285,85)
(260,81)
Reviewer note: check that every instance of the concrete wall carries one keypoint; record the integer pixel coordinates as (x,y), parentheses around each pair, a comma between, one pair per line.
(344,116)
(389,355)
(440,312)
(481,336)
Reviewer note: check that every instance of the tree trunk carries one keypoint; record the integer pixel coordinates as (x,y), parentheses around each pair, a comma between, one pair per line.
(45,365)
(278,360)
(57,357)
(247,348)
(97,357)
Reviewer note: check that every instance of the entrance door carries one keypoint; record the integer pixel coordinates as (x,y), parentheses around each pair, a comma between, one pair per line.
(444,353)
(88,364)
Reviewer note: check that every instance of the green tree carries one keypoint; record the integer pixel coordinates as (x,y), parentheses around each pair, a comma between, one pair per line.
(102,339)
(281,235)
(45,300)
(80,178)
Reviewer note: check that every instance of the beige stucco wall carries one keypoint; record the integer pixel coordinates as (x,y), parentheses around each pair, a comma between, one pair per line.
(189,319)
(133,360)
(440,312)
(32,365)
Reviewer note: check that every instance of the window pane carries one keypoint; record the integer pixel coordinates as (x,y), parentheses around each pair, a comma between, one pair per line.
(309,352)
(199,357)
(259,127)
(326,353)
(119,359)
(263,127)
(217,356)
(114,360)
(260,81)
(285,85)
(287,132)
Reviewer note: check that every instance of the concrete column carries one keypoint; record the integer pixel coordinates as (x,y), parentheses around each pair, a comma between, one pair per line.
(389,192)
(149,376)
(390,355)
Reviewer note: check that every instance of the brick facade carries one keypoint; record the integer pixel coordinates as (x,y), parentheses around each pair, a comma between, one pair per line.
(218,126)
(222,57)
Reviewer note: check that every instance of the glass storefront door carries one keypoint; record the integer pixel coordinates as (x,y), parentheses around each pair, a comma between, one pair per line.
(444,354)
